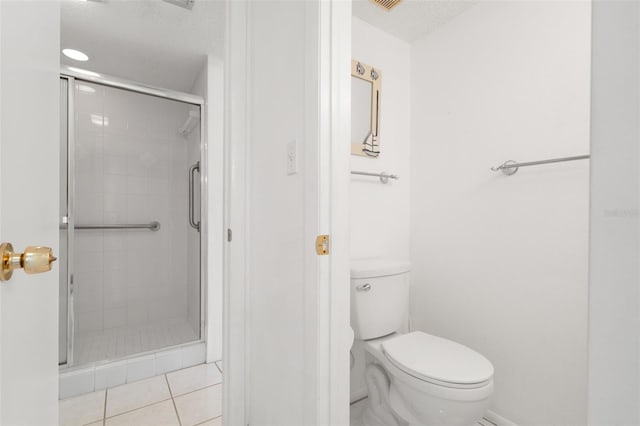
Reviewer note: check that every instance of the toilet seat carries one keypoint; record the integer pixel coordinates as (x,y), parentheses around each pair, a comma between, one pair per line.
(439,361)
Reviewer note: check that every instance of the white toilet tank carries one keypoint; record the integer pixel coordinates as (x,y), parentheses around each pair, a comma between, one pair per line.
(379,296)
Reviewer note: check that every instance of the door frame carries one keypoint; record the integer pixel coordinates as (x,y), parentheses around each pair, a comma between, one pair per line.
(236,208)
(328,212)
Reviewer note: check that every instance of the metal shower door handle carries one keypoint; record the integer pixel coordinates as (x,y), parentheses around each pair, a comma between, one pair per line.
(192,172)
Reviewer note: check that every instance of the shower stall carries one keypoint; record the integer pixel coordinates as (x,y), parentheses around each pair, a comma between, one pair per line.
(131,280)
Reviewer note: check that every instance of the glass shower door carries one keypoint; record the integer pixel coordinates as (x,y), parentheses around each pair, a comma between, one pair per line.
(136,259)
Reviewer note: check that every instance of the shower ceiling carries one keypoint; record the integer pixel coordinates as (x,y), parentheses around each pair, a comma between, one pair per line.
(410,19)
(150,41)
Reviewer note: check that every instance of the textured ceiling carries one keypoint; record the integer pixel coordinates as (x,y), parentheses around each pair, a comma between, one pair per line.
(149,41)
(411,18)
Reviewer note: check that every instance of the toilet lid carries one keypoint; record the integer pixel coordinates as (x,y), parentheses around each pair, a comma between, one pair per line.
(431,358)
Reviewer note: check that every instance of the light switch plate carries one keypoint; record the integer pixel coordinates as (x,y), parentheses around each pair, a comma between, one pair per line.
(292,158)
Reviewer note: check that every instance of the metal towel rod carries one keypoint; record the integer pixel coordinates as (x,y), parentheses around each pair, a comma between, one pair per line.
(510,167)
(384,176)
(152,226)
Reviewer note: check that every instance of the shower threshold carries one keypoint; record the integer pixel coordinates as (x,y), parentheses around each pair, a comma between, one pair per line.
(79,380)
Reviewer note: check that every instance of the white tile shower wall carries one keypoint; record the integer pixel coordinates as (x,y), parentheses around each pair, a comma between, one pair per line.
(500,263)
(131,167)
(380,213)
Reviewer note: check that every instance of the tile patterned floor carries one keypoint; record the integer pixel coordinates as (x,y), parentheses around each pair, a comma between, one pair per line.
(188,397)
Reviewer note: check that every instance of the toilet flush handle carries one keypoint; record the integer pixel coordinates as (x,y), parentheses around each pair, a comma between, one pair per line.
(364,287)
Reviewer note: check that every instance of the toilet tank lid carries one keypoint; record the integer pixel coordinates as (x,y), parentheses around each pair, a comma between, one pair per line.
(378,267)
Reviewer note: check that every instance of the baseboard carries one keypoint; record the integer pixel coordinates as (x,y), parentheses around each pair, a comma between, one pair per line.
(497,419)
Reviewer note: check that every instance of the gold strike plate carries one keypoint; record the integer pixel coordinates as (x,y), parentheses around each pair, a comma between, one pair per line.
(322,245)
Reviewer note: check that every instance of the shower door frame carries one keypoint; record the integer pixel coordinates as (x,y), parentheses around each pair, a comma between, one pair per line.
(118,83)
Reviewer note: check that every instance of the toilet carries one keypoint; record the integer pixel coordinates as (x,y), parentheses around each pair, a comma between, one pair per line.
(412,378)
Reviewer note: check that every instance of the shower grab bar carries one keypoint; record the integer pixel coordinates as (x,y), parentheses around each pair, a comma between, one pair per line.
(384,177)
(152,226)
(192,171)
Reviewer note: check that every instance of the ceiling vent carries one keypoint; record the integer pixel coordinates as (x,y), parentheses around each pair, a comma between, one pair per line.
(387,4)
(187,4)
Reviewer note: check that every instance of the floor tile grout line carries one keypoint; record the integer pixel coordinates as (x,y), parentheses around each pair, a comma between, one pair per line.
(197,390)
(166,379)
(358,400)
(173,401)
(104,412)
(171,396)
(137,408)
(208,420)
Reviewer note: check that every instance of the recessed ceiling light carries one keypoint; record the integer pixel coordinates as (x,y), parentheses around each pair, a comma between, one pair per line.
(85,72)
(76,55)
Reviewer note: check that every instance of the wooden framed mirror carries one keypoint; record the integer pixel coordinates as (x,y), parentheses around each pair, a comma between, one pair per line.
(366,82)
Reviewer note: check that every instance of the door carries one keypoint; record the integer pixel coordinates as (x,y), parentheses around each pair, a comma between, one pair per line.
(29,170)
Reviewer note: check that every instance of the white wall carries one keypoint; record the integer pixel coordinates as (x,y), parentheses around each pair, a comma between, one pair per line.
(614,304)
(276,217)
(500,263)
(380,213)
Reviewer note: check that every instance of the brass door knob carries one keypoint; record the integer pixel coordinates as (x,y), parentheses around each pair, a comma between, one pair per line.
(34,260)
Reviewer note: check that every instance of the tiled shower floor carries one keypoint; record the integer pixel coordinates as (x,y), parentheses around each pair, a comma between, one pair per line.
(121,342)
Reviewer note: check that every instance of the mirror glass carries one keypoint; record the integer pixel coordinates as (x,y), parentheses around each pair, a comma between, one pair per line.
(360,110)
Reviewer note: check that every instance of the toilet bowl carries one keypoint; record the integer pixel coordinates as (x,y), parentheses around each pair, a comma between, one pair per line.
(422,379)
(412,378)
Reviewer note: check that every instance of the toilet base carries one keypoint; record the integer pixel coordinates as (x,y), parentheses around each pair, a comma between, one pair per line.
(370,419)
(377,412)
